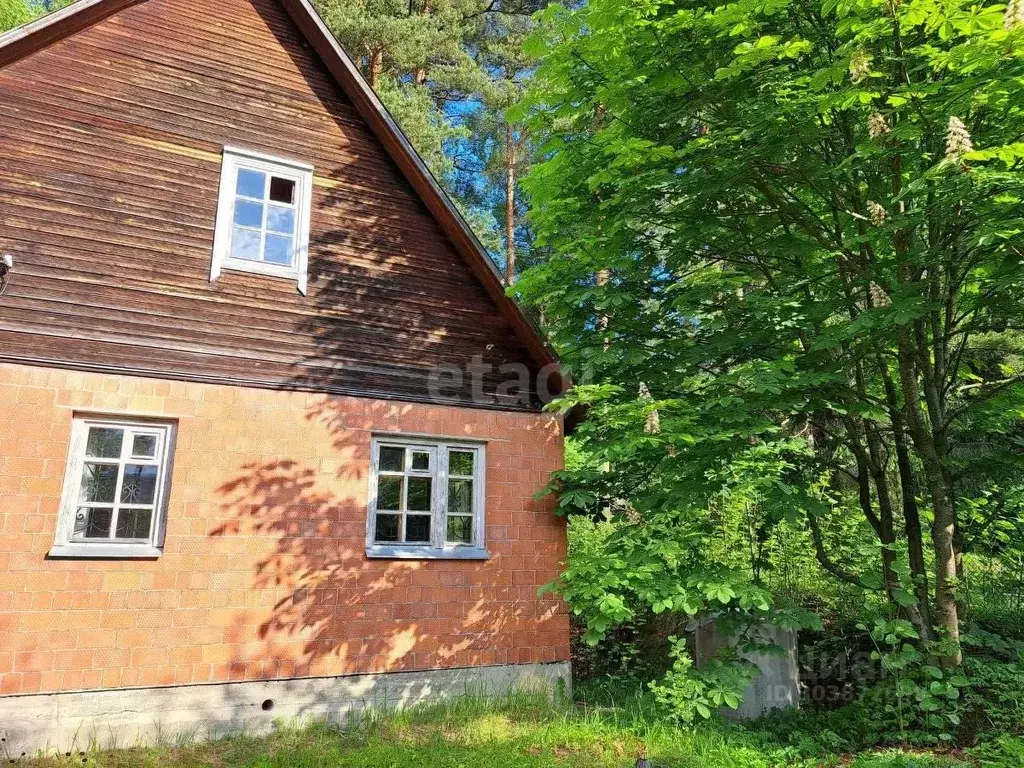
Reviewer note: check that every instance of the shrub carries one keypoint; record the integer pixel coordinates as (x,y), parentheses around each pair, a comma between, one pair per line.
(994,700)
(1002,752)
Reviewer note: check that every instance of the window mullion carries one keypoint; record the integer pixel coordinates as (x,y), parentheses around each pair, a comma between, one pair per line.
(404,501)
(155,531)
(266,216)
(125,455)
(477,518)
(371,517)
(439,522)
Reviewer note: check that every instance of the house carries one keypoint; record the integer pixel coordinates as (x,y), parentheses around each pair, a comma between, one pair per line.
(270,428)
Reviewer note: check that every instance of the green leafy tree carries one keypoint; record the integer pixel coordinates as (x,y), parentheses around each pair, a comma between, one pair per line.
(798,226)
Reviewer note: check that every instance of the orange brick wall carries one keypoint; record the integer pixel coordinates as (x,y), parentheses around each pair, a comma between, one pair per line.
(264,574)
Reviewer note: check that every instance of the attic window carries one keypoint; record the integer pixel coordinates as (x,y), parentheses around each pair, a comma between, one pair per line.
(262,216)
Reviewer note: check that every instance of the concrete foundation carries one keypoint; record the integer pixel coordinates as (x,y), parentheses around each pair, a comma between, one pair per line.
(83,720)
(778,685)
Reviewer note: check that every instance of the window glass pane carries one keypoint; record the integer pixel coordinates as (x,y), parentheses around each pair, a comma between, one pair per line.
(282,190)
(420,460)
(144,446)
(460,497)
(460,462)
(417,528)
(392,459)
(245,244)
(93,523)
(104,442)
(278,249)
(419,494)
(250,183)
(134,523)
(460,530)
(387,528)
(99,481)
(389,493)
(248,213)
(139,484)
(281,219)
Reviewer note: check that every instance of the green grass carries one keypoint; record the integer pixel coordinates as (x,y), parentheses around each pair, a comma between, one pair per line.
(521,731)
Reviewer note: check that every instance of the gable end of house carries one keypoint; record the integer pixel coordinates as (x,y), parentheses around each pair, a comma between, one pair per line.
(389,255)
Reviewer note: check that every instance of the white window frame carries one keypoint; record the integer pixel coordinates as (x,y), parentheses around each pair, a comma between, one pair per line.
(302,174)
(64,544)
(437,548)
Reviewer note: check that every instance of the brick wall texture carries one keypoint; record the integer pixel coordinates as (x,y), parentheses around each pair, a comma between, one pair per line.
(264,573)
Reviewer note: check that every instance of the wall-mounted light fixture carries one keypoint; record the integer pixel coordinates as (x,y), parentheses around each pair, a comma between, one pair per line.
(6,267)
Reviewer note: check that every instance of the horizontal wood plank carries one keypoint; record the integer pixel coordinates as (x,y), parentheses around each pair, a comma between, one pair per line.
(112,141)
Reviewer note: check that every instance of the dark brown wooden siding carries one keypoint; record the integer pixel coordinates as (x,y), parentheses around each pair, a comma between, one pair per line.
(110,144)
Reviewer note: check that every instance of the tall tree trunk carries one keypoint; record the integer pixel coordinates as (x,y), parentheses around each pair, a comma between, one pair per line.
(376,66)
(908,493)
(419,75)
(510,205)
(912,521)
(944,512)
(886,523)
(917,614)
(601,278)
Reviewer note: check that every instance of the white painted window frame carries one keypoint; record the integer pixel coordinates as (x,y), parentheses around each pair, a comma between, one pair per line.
(302,174)
(64,545)
(438,548)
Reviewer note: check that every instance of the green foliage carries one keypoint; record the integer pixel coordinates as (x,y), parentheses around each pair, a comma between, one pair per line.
(1004,752)
(447,70)
(922,700)
(617,575)
(895,759)
(798,225)
(993,703)
(13,13)
(426,127)
(412,54)
(688,693)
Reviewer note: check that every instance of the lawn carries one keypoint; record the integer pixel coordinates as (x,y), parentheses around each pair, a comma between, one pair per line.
(518,732)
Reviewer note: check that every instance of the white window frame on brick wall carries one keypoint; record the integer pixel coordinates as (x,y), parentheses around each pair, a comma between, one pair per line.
(438,450)
(301,174)
(160,435)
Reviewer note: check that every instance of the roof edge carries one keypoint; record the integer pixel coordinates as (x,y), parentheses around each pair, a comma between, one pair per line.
(37,34)
(33,35)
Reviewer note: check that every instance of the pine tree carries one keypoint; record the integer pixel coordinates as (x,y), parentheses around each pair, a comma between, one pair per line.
(499,143)
(414,53)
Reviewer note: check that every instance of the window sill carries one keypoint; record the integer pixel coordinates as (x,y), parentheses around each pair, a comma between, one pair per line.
(260,268)
(106,551)
(381,551)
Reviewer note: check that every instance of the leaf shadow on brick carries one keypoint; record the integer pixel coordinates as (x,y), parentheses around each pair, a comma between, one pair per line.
(337,612)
